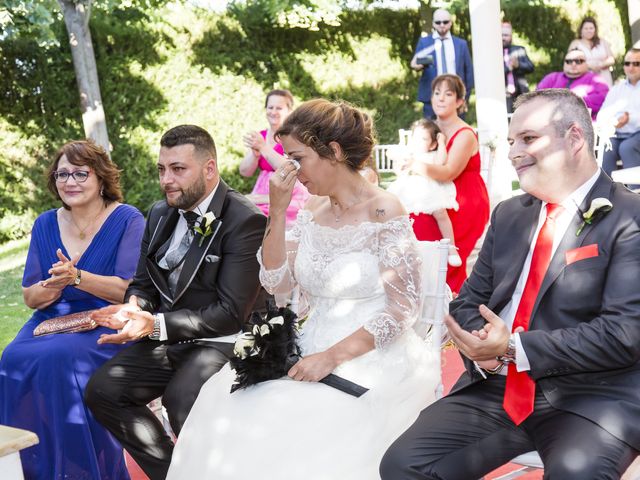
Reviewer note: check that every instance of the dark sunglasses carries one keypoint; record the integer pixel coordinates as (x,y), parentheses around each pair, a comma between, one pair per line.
(628,64)
(441,22)
(577,61)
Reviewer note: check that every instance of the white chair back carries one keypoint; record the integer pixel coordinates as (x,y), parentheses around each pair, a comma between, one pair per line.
(382,161)
(436,297)
(403,137)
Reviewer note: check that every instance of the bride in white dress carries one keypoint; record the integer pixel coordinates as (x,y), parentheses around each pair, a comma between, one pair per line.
(353,254)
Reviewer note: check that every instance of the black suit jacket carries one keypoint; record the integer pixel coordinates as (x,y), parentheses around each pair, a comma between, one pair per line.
(525,66)
(583,342)
(219,281)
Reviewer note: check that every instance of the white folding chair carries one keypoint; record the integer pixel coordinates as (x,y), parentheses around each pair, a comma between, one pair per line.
(529,461)
(436,297)
(382,160)
(403,137)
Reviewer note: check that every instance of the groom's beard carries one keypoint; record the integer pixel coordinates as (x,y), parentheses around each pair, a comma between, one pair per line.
(189,196)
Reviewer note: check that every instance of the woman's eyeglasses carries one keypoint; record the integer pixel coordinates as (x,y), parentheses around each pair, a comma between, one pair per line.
(80,176)
(441,22)
(577,61)
(628,64)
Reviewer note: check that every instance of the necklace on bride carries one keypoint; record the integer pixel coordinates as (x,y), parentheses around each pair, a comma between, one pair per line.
(335,204)
(82,235)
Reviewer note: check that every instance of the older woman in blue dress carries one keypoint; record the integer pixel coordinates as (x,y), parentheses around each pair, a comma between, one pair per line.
(81,257)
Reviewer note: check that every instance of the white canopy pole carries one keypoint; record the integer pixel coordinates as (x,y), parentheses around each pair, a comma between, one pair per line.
(491,108)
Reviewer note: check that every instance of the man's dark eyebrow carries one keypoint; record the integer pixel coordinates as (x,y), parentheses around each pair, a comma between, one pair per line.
(172,164)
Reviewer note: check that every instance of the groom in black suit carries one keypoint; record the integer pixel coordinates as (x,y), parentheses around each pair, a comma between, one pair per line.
(197,278)
(556,367)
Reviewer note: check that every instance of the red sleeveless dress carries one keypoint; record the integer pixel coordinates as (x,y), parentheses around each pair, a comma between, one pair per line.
(468,222)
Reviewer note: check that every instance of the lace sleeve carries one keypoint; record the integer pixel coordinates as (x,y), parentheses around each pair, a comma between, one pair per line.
(281,280)
(400,270)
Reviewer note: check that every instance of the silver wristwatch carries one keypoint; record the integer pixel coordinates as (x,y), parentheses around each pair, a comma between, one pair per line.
(510,355)
(155,335)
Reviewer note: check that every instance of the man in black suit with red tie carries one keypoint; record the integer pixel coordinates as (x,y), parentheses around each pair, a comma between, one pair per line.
(548,323)
(197,278)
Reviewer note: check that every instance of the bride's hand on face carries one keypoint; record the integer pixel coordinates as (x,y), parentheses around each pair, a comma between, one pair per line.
(281,186)
(314,367)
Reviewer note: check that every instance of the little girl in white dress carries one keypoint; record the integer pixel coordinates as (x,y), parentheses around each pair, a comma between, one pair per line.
(421,194)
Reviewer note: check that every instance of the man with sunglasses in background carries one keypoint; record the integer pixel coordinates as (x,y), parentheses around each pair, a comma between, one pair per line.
(576,77)
(440,53)
(621,111)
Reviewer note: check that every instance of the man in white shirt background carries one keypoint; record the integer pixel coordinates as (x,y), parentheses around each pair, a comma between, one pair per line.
(621,111)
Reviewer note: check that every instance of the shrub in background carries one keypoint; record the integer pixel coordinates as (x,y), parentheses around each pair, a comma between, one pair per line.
(181,64)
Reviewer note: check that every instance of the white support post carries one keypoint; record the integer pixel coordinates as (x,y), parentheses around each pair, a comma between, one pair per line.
(491,108)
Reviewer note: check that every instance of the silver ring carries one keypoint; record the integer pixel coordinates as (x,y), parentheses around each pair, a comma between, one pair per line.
(283,175)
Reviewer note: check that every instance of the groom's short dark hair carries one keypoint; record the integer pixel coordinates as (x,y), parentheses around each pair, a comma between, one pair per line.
(190,135)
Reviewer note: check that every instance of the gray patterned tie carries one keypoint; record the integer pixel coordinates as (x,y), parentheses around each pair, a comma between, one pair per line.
(175,258)
(443,57)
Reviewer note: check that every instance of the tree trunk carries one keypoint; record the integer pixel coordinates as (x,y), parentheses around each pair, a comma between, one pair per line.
(76,18)
(426,16)
(634,22)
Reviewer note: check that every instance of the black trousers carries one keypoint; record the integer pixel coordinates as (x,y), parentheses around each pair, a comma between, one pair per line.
(119,391)
(467,434)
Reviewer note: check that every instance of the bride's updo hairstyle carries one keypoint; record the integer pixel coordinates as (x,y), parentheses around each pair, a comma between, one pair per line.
(318,122)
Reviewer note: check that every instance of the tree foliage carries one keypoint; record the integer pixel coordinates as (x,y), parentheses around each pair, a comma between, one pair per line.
(161,65)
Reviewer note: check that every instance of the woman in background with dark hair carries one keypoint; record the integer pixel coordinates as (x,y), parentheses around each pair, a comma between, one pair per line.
(264,152)
(463,169)
(81,257)
(599,56)
(354,257)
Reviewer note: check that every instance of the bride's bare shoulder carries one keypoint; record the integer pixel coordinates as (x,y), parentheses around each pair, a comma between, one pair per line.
(385,206)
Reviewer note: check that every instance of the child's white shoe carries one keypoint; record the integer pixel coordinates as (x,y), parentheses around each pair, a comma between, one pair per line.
(454,259)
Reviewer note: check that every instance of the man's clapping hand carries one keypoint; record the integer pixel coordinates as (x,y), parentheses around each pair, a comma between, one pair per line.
(481,345)
(132,322)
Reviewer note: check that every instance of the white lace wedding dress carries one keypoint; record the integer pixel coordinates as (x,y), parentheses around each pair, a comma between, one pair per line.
(356,276)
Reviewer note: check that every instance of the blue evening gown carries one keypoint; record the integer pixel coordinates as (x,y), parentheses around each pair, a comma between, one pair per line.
(42,380)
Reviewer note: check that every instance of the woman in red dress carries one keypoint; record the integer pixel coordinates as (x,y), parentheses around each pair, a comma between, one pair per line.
(463,168)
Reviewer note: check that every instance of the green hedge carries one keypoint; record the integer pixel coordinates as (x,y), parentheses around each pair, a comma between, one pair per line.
(214,70)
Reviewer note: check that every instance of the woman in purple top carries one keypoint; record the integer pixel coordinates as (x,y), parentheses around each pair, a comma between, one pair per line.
(81,257)
(264,152)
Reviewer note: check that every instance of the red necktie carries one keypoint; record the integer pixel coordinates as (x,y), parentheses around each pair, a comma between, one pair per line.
(520,390)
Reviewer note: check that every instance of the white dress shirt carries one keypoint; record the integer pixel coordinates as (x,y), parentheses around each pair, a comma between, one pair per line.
(563,220)
(623,97)
(450,53)
(178,233)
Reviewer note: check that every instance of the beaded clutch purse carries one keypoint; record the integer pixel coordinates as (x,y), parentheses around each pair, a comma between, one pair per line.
(74,322)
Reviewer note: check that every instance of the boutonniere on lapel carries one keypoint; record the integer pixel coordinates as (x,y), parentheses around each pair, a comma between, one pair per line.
(598,209)
(203,226)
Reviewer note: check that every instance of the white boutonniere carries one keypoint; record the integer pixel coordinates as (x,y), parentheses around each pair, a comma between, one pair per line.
(598,208)
(204,226)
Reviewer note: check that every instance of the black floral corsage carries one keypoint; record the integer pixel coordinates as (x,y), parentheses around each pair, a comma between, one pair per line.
(268,349)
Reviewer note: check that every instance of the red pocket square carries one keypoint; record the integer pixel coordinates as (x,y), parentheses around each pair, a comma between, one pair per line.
(581,253)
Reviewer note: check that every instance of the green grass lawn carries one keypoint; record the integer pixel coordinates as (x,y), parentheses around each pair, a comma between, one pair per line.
(13,312)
